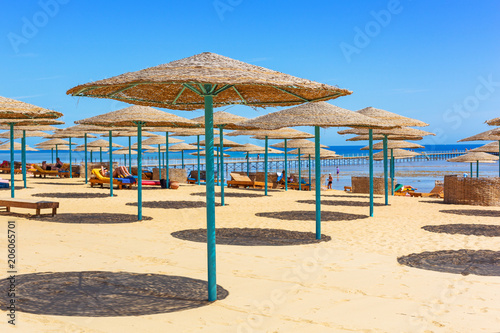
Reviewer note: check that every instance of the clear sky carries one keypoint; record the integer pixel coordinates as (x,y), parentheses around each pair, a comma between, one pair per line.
(438,61)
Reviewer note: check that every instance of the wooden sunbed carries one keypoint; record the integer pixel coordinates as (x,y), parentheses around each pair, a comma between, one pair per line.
(7,170)
(238,181)
(436,192)
(40,172)
(101,180)
(295,186)
(29,203)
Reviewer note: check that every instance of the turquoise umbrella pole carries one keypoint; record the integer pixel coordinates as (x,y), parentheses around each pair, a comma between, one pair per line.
(166,160)
(309,167)
(85,142)
(110,168)
(159,162)
(285,176)
(248,163)
(182,158)
(300,185)
(218,167)
(386,181)
(471,174)
(100,154)
(130,154)
(91,159)
(12,160)
(198,158)
(139,169)
(23,157)
(392,171)
(210,195)
(52,155)
(317,166)
(57,152)
(498,155)
(370,135)
(477,169)
(221,136)
(70,165)
(265,165)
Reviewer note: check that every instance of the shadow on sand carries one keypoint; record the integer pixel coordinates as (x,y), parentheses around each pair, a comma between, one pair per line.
(310,215)
(173,204)
(91,218)
(341,203)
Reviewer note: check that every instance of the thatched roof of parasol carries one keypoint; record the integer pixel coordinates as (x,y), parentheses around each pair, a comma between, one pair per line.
(281,133)
(202,153)
(85,129)
(491,147)
(397,153)
(17,146)
(31,127)
(227,143)
(119,133)
(192,132)
(311,152)
(494,122)
(47,147)
(93,149)
(381,137)
(390,117)
(394,145)
(134,146)
(70,134)
(491,135)
(102,143)
(13,109)
(124,151)
(398,131)
(19,134)
(182,146)
(130,116)
(175,85)
(474,157)
(297,143)
(254,149)
(314,114)
(160,140)
(222,118)
(31,122)
(55,142)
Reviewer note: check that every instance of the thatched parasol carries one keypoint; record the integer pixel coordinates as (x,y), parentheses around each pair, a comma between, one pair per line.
(159,140)
(491,135)
(494,122)
(202,81)
(491,147)
(17,146)
(397,153)
(381,137)
(391,117)
(203,153)
(471,157)
(226,143)
(181,147)
(393,144)
(129,134)
(253,149)
(31,127)
(13,109)
(297,143)
(398,131)
(19,133)
(310,152)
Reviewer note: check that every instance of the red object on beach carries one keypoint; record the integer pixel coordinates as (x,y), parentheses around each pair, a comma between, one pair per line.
(150,182)
(174,185)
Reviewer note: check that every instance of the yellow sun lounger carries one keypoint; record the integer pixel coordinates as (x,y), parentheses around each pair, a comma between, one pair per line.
(100,180)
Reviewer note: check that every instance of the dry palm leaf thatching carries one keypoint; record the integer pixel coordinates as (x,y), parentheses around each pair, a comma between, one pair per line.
(159,140)
(187,131)
(12,109)
(18,133)
(398,131)
(102,143)
(55,142)
(381,137)
(134,146)
(31,127)
(92,149)
(309,151)
(17,146)
(85,129)
(494,122)
(391,118)
(202,153)
(130,116)
(394,144)
(47,147)
(314,114)
(474,157)
(254,149)
(182,146)
(227,120)
(491,135)
(491,147)
(396,153)
(124,151)
(281,133)
(297,143)
(121,133)
(31,122)
(70,134)
(226,142)
(180,85)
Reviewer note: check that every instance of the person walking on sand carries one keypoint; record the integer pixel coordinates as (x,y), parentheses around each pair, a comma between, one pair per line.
(330,181)
(338,171)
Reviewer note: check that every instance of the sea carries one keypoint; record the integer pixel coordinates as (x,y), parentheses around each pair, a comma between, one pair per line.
(420,174)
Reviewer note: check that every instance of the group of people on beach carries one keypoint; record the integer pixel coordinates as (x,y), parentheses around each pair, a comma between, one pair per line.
(53,167)
(118,172)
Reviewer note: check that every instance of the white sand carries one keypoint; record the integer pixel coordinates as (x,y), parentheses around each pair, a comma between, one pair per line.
(351,284)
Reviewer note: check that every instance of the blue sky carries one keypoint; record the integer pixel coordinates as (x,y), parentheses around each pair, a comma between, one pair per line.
(437,61)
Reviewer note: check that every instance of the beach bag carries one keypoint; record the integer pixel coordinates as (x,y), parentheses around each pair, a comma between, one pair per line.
(163,183)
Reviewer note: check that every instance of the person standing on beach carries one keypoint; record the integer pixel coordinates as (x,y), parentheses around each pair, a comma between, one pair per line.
(330,180)
(338,171)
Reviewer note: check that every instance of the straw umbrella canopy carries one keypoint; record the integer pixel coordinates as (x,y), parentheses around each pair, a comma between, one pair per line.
(253,149)
(393,144)
(397,131)
(159,140)
(494,122)
(491,147)
(55,143)
(101,144)
(471,157)
(17,146)
(391,117)
(18,134)
(491,135)
(129,134)
(138,116)
(201,82)
(315,114)
(398,153)
(203,153)
(381,137)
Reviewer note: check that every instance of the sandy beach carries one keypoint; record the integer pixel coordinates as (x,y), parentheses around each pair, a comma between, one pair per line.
(351,283)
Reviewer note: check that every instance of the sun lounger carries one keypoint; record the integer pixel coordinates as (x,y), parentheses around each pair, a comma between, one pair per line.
(238,180)
(27,203)
(436,192)
(295,186)
(41,172)
(101,180)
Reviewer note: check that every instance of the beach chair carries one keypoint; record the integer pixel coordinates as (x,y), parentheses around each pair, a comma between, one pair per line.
(41,172)
(244,181)
(436,192)
(101,180)
(303,186)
